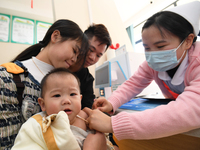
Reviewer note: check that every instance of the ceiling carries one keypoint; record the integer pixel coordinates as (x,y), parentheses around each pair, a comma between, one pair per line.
(129,8)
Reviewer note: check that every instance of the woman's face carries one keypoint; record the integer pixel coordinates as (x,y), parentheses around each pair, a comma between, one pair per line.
(63,54)
(154,41)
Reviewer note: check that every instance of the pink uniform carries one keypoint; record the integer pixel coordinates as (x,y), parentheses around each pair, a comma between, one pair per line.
(178,116)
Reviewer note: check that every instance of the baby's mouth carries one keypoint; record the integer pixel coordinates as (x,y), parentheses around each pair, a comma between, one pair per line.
(68,111)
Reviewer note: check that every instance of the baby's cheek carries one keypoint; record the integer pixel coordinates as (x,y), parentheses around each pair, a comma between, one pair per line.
(53,110)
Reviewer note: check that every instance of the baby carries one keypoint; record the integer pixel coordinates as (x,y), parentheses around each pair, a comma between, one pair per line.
(62,123)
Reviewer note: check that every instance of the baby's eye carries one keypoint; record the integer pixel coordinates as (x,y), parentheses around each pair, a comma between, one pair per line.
(56,95)
(73,94)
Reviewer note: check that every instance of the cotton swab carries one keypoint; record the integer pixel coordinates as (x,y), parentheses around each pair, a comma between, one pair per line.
(82,118)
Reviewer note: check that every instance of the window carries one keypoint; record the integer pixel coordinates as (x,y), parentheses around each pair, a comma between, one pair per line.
(138,39)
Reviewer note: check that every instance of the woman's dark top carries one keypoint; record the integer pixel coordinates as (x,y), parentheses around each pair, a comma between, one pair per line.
(87,91)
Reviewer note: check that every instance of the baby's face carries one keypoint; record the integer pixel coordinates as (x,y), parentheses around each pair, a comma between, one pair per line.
(62,94)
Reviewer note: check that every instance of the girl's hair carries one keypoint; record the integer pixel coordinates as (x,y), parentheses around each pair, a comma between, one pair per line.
(58,71)
(69,30)
(171,22)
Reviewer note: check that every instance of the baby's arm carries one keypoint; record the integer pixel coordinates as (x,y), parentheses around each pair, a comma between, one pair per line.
(95,141)
(79,122)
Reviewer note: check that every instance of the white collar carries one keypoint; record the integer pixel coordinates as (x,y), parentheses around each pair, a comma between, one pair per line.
(44,67)
(179,74)
(33,69)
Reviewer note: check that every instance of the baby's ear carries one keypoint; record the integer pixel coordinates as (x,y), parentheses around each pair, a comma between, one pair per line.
(41,103)
(81,96)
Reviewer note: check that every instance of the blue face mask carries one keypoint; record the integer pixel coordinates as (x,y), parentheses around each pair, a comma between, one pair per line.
(163,60)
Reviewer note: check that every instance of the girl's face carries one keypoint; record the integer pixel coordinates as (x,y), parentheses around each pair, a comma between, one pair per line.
(60,53)
(154,41)
(63,54)
(61,93)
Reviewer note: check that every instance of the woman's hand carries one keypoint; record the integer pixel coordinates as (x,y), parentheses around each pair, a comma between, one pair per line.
(103,105)
(98,121)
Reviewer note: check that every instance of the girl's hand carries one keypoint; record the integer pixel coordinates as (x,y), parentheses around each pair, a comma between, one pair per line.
(98,120)
(103,105)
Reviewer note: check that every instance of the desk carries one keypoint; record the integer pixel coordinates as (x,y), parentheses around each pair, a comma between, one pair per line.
(175,142)
(184,141)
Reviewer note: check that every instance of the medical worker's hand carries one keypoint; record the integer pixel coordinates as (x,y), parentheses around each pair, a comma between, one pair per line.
(98,120)
(102,104)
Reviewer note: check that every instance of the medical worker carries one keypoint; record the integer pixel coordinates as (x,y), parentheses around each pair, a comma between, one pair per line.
(173,61)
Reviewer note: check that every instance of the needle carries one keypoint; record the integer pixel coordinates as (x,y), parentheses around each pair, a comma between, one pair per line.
(81,118)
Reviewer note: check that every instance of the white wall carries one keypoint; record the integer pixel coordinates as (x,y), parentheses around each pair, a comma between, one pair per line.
(102,11)
(76,10)
(42,10)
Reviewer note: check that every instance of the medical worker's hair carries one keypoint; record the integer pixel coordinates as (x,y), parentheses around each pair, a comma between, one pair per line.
(170,22)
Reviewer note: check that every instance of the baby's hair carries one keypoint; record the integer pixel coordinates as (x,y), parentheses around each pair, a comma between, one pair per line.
(59,71)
